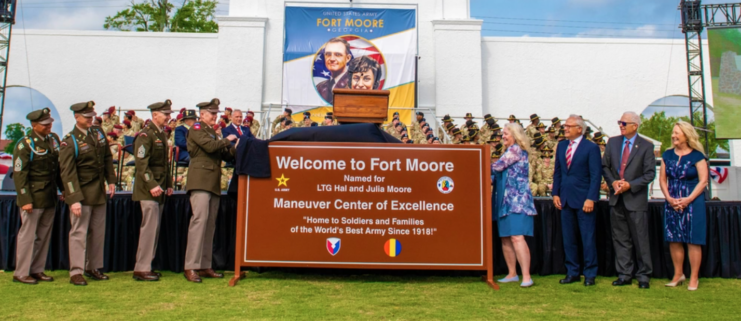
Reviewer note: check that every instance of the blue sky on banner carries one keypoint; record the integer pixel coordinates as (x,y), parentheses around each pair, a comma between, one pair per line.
(307,29)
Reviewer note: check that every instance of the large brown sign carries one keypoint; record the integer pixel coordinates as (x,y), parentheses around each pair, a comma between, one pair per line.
(355,205)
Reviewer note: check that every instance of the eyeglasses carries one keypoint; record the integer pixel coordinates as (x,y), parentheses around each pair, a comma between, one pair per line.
(624,123)
(569,126)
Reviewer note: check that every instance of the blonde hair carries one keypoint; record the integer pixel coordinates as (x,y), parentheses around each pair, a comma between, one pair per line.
(518,133)
(693,140)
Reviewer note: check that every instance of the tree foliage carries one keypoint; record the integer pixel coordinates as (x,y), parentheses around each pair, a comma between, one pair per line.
(14,132)
(660,127)
(158,16)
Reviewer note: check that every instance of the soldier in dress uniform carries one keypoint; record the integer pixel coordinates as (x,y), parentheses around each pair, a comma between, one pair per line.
(207,151)
(36,179)
(181,142)
(153,183)
(86,166)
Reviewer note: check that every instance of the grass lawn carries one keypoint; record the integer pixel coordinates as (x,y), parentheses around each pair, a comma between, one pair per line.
(310,295)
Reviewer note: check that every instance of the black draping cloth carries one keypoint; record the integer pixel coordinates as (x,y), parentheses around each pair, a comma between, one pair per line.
(721,255)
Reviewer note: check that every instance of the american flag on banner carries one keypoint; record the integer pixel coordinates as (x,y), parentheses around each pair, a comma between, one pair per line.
(358,47)
(719,174)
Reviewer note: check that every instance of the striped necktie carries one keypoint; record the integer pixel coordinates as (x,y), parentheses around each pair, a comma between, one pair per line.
(568,154)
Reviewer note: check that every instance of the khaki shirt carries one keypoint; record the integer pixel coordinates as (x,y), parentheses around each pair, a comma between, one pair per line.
(86,165)
(36,170)
(152,166)
(206,150)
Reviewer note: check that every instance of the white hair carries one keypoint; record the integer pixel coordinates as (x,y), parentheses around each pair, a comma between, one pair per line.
(579,122)
(633,117)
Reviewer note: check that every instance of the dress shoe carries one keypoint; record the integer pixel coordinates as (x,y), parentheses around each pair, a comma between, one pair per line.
(588,281)
(192,276)
(570,279)
(643,285)
(42,277)
(678,282)
(96,275)
(77,280)
(209,273)
(621,282)
(25,280)
(146,276)
(158,274)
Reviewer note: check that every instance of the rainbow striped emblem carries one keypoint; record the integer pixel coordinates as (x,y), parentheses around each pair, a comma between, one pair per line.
(392,247)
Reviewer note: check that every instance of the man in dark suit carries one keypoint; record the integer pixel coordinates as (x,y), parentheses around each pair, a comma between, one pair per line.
(629,166)
(235,128)
(336,56)
(576,181)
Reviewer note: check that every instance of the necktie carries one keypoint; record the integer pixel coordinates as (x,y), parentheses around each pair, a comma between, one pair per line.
(568,154)
(331,84)
(624,160)
(239,130)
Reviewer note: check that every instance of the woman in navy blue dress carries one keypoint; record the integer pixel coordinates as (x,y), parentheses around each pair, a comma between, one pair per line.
(684,176)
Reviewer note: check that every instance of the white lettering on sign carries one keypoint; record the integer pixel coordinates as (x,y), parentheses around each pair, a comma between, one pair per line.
(318,164)
(414,165)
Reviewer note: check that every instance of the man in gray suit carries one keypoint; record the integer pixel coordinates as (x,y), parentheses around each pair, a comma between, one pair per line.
(629,166)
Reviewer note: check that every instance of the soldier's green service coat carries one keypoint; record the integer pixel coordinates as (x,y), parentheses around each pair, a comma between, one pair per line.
(152,167)
(206,150)
(36,170)
(86,164)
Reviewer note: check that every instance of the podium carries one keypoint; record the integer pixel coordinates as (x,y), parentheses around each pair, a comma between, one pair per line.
(361,106)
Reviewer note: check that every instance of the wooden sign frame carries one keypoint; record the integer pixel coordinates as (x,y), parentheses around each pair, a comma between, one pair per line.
(360,106)
(486,225)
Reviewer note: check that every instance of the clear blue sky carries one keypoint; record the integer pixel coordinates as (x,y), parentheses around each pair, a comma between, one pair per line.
(580,18)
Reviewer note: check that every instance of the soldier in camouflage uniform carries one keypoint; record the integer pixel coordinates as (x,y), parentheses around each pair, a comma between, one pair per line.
(36,178)
(544,173)
(278,121)
(531,129)
(512,119)
(254,124)
(464,126)
(556,124)
(551,140)
(457,137)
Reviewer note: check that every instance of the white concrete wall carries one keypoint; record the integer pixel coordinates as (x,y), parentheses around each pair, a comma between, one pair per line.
(131,70)
(596,78)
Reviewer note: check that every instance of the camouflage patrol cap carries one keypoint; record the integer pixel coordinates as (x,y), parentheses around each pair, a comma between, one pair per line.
(41,116)
(85,109)
(211,106)
(162,107)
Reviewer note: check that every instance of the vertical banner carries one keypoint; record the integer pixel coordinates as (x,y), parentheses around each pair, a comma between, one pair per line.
(725,66)
(327,48)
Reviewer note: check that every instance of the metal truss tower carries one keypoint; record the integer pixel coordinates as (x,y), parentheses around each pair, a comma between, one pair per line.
(7,19)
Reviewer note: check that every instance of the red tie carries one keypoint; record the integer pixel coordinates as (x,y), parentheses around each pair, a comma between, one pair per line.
(624,160)
(568,154)
(239,130)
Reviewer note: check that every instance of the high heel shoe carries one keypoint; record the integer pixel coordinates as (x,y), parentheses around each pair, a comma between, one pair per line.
(678,282)
(694,288)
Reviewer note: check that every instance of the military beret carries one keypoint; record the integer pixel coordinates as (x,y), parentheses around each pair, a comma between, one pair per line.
(314,124)
(228,109)
(289,111)
(468,115)
(328,117)
(127,123)
(131,113)
(435,139)
(397,125)
(404,135)
(430,136)
(85,109)
(117,126)
(395,113)
(111,109)
(288,122)
(99,120)
(329,113)
(211,106)
(113,135)
(423,120)
(419,113)
(107,112)
(307,113)
(534,117)
(179,116)
(248,119)
(249,112)
(41,116)
(410,142)
(162,107)
(167,129)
